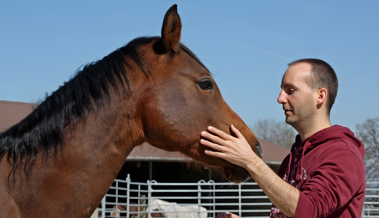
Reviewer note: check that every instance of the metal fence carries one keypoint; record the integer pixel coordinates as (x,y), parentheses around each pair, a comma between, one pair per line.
(202,199)
(371,206)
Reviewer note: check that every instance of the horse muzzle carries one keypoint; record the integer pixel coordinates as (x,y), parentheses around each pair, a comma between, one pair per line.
(236,174)
(258,149)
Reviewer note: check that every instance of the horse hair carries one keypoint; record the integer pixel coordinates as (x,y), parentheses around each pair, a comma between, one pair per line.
(83,93)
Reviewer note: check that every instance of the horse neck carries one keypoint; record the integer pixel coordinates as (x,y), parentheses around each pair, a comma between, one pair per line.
(97,148)
(80,173)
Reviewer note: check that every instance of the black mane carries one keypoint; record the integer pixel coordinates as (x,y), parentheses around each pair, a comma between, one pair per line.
(86,91)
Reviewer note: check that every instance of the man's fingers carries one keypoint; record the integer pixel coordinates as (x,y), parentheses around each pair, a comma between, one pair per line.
(209,144)
(225,215)
(213,138)
(218,132)
(237,132)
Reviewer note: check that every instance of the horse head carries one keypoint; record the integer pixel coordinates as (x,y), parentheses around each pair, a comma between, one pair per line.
(182,99)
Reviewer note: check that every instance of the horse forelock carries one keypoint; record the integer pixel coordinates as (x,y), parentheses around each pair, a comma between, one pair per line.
(85,92)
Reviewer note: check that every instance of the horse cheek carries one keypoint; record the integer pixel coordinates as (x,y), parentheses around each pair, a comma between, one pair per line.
(166,120)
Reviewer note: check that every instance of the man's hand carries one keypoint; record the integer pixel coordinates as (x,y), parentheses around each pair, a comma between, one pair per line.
(227,215)
(235,150)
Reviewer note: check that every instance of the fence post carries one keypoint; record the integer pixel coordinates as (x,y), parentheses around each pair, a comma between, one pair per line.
(240,199)
(149,197)
(214,196)
(128,181)
(103,207)
(117,196)
(199,196)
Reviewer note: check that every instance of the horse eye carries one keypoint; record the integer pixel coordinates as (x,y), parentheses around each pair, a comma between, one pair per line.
(205,84)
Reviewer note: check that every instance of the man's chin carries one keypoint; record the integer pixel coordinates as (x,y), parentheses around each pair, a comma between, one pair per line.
(289,121)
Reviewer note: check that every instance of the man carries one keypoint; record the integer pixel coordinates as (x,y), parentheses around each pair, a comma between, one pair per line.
(324,174)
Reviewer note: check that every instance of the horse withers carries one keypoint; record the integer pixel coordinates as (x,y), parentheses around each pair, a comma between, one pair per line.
(62,158)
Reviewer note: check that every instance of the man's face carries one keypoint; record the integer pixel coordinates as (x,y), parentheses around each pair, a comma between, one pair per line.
(297,97)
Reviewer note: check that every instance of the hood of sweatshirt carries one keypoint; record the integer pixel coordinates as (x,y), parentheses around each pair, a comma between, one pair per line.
(300,149)
(332,132)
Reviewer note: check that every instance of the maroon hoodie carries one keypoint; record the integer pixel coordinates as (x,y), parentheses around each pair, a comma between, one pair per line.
(328,170)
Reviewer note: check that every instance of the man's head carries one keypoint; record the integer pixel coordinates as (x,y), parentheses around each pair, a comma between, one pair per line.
(322,76)
(309,88)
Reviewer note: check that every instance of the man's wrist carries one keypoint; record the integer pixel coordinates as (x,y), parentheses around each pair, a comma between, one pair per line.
(256,166)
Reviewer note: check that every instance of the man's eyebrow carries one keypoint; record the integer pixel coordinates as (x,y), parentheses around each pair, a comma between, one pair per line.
(287,85)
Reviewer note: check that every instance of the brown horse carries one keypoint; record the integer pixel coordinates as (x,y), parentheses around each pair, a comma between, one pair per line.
(61,159)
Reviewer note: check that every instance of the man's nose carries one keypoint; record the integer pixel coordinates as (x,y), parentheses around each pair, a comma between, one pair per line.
(281,97)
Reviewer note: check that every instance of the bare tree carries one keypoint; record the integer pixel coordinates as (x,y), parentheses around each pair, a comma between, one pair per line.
(368,132)
(276,132)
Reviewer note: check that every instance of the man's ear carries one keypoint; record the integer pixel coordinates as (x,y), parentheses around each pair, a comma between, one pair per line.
(321,96)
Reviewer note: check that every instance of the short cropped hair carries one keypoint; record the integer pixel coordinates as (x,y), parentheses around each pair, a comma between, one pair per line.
(323,76)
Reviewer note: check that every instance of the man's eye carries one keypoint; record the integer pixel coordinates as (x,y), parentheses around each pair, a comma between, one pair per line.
(205,84)
(290,91)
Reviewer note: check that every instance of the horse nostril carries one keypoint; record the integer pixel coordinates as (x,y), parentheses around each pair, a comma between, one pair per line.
(258,149)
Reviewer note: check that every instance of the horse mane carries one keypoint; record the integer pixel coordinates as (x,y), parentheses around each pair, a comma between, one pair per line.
(83,93)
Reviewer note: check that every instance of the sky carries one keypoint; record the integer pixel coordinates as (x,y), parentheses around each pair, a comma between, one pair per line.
(246,45)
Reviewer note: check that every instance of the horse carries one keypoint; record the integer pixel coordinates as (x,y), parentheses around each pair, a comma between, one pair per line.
(135,212)
(160,208)
(62,158)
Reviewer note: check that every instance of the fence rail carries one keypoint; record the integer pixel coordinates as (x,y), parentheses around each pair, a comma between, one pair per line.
(202,199)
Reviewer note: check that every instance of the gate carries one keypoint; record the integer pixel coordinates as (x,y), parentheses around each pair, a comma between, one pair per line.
(198,200)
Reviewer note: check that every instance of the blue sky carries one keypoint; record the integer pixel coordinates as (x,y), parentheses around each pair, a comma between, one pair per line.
(245,44)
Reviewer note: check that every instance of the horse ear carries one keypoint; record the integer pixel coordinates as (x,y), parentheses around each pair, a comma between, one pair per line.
(171,30)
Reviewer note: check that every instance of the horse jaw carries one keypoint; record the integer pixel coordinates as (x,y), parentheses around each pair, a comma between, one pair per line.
(232,173)
(236,174)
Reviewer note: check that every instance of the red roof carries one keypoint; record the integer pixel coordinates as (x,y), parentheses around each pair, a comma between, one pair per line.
(13,112)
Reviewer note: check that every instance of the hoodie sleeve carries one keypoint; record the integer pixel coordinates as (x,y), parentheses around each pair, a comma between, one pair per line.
(338,178)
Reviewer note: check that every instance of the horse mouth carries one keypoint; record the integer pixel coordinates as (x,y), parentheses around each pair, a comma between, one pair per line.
(236,174)
(258,149)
